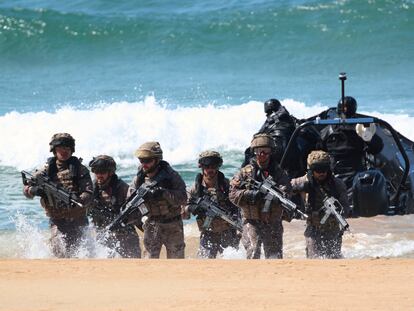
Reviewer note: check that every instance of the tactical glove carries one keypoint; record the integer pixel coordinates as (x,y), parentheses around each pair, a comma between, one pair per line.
(36,191)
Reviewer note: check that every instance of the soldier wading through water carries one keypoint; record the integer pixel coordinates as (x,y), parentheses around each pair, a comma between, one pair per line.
(164,225)
(109,194)
(67,223)
(259,226)
(322,240)
(211,182)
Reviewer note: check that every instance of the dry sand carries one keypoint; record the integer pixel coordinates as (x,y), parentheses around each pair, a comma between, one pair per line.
(123,284)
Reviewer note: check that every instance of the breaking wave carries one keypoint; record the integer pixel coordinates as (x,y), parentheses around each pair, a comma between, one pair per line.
(119,128)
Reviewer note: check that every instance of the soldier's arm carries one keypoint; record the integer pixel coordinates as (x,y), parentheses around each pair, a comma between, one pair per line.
(237,190)
(283,182)
(85,186)
(29,191)
(186,211)
(122,191)
(299,184)
(132,187)
(177,194)
(232,208)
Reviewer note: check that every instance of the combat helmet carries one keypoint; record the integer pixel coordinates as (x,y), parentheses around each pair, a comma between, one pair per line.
(63,140)
(262,140)
(271,105)
(102,164)
(210,157)
(319,160)
(349,107)
(151,149)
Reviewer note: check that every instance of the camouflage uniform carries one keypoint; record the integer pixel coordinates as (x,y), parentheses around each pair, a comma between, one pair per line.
(220,234)
(322,241)
(164,224)
(257,229)
(108,199)
(67,223)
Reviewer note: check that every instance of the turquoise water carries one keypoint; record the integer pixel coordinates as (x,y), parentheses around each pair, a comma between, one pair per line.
(190,53)
(190,74)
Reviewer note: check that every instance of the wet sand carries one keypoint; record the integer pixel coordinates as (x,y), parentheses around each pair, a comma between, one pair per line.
(122,284)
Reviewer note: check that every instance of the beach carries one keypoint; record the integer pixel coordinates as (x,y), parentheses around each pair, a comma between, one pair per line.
(194,76)
(124,284)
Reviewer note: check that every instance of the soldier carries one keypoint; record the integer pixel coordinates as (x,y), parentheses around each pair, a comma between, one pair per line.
(164,225)
(67,223)
(321,240)
(260,227)
(109,194)
(212,182)
(348,144)
(279,124)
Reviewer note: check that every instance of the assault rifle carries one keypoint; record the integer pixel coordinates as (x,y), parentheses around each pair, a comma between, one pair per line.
(134,204)
(212,209)
(52,191)
(331,207)
(272,193)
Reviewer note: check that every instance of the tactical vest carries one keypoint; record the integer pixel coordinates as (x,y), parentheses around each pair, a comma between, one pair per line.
(110,200)
(160,208)
(253,211)
(221,194)
(68,176)
(315,201)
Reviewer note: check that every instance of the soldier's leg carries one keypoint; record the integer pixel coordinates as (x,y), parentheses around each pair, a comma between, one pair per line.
(332,245)
(209,245)
(173,239)
(273,240)
(70,232)
(128,245)
(312,250)
(230,238)
(152,238)
(313,243)
(57,242)
(251,241)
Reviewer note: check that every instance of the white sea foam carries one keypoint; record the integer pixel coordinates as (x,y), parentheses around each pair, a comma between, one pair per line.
(33,243)
(119,128)
(364,245)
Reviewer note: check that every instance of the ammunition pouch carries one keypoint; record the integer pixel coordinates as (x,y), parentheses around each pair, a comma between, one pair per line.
(164,220)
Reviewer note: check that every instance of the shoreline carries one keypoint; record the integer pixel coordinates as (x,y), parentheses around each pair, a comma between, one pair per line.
(130,284)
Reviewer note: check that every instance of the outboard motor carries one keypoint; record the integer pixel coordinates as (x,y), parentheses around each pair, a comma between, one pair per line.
(370,197)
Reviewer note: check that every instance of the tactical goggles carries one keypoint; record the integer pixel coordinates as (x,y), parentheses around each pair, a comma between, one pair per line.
(320,168)
(262,151)
(62,142)
(145,160)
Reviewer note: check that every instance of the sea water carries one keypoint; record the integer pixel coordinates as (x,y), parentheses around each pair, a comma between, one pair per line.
(193,76)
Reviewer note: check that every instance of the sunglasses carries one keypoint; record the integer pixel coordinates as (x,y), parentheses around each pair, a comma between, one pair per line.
(320,171)
(261,153)
(146,160)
